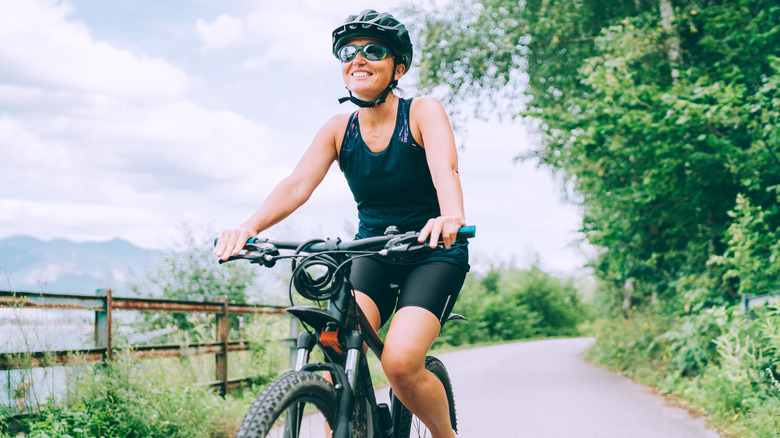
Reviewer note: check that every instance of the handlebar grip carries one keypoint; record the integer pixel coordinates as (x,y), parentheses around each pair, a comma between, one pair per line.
(251,240)
(467,232)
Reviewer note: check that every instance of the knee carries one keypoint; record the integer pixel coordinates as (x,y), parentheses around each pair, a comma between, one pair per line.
(401,369)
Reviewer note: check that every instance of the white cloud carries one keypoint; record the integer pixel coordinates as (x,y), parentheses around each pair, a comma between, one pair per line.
(98,142)
(178,146)
(80,157)
(223,32)
(44,49)
(293,33)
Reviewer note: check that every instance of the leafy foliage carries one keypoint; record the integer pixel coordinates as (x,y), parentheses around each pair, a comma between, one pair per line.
(718,359)
(660,119)
(132,400)
(193,275)
(655,147)
(753,255)
(509,303)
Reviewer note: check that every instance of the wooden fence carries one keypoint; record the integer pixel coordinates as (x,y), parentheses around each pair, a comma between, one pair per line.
(104,304)
(752,300)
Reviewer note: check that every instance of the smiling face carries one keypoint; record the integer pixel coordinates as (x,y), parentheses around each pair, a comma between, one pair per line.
(368,79)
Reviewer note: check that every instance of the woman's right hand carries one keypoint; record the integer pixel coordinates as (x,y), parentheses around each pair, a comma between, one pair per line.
(230,242)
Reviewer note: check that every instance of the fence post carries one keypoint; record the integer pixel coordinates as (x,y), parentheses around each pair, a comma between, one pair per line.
(222,338)
(103,324)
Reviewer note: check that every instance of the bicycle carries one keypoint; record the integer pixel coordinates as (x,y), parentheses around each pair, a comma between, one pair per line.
(302,403)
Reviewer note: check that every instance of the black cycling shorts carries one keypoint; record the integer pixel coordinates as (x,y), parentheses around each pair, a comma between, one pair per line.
(433,285)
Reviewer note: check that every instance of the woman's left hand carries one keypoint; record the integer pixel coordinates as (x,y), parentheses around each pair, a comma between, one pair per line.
(443,228)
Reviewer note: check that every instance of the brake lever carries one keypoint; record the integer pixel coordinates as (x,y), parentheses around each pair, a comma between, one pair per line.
(264,254)
(404,245)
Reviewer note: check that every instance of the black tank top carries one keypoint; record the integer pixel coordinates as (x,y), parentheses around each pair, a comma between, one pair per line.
(394,186)
(391,187)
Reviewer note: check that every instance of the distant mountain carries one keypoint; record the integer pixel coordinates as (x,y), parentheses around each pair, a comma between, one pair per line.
(64,266)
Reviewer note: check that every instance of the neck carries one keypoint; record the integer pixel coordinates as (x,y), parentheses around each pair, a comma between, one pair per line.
(380,113)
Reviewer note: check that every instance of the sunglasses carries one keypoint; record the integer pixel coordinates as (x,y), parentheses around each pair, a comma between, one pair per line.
(371,51)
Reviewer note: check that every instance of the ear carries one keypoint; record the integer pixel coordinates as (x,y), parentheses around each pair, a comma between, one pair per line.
(400,70)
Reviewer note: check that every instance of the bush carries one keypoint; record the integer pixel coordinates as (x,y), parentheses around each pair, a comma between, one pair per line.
(629,345)
(129,399)
(192,275)
(752,259)
(723,361)
(690,344)
(508,303)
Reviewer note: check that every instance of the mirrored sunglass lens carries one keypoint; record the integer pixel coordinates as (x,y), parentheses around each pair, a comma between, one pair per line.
(373,52)
(346,53)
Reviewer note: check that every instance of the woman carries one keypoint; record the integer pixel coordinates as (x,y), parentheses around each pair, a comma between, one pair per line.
(400,161)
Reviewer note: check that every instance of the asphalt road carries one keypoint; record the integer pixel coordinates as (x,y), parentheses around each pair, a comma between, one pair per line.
(542,389)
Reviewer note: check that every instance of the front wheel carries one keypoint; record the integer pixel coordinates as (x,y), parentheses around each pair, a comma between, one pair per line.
(405,423)
(297,405)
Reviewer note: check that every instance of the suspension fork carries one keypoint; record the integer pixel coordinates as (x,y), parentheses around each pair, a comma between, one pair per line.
(306,341)
(344,379)
(355,359)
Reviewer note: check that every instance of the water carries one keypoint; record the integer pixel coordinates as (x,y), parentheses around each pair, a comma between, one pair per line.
(20,389)
(22,338)
(29,331)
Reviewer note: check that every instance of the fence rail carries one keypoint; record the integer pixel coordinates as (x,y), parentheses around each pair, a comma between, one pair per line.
(751,300)
(104,304)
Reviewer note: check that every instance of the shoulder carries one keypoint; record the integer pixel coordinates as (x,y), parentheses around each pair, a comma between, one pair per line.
(428,119)
(332,132)
(337,122)
(427,111)
(427,104)
(334,128)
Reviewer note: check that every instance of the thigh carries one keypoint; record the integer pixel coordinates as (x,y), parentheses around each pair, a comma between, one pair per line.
(372,278)
(412,332)
(433,286)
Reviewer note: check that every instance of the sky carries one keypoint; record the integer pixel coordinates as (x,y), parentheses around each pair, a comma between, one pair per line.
(133,119)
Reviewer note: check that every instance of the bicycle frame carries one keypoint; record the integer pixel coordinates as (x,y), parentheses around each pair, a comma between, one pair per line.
(342,330)
(340,333)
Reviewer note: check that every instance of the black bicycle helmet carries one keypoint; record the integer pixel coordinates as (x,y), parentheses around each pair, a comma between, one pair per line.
(383,27)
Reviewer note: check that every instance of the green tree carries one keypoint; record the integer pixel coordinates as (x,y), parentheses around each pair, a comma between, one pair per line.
(753,255)
(192,273)
(649,111)
(555,300)
(508,303)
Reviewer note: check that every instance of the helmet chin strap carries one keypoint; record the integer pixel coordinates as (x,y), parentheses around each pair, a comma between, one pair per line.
(365,103)
(372,103)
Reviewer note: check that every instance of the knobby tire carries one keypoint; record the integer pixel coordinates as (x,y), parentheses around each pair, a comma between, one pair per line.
(269,415)
(406,424)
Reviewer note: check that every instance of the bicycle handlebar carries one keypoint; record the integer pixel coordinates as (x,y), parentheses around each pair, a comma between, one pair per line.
(361,244)
(393,243)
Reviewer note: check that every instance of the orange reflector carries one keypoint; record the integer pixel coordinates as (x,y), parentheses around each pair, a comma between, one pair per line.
(331,339)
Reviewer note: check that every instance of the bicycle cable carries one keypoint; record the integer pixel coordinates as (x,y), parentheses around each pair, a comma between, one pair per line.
(320,287)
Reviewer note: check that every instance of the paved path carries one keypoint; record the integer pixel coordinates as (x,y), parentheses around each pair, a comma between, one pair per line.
(543,389)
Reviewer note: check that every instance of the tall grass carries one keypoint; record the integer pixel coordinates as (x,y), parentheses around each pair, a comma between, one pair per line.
(162,397)
(720,361)
(133,399)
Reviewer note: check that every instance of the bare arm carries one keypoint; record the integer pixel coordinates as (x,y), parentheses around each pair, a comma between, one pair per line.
(439,142)
(290,193)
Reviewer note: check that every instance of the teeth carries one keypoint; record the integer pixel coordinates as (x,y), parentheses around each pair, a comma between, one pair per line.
(360,74)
